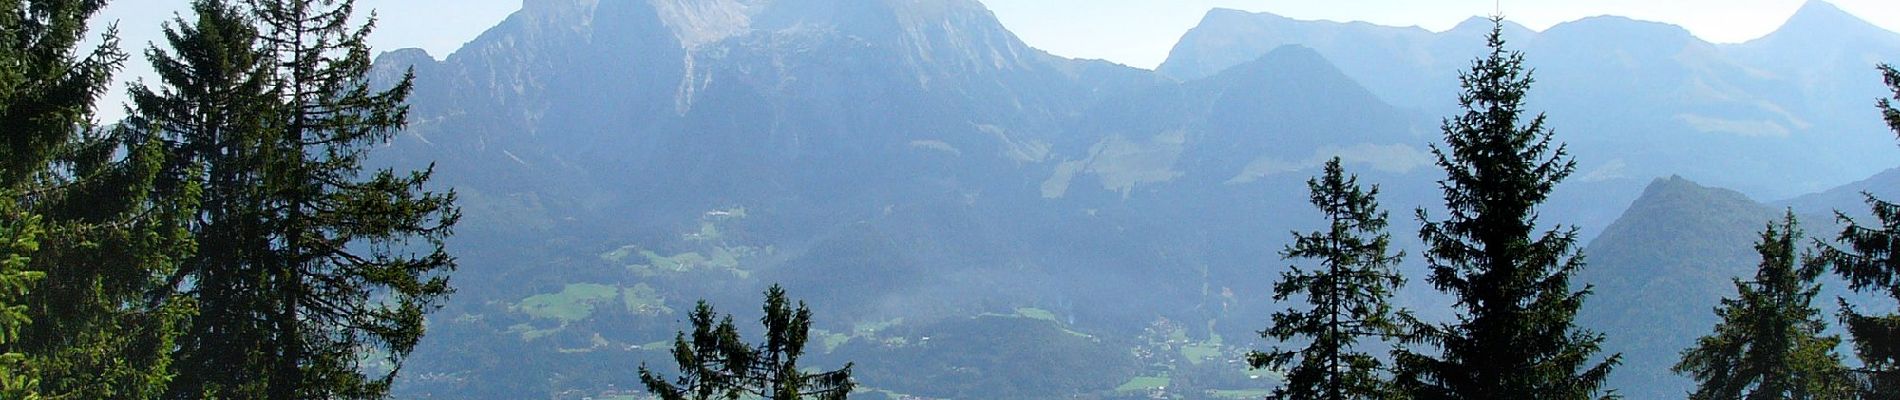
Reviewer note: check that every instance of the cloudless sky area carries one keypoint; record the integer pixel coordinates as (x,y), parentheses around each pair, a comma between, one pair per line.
(1137,33)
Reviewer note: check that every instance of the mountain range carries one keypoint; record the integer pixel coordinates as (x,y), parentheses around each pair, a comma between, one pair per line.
(1632,92)
(921,176)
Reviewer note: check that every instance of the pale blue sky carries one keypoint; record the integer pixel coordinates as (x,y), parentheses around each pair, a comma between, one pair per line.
(1133,32)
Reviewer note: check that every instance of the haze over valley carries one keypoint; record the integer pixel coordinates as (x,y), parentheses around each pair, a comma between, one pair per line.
(914,170)
(966,216)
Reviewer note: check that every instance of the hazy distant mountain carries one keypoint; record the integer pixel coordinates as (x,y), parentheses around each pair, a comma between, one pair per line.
(918,173)
(887,160)
(1660,269)
(1410,67)
(1630,94)
(1819,39)
(1824,59)
(1850,198)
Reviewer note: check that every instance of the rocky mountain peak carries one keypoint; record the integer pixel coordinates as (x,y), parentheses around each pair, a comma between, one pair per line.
(1819,21)
(952,34)
(698,22)
(1822,13)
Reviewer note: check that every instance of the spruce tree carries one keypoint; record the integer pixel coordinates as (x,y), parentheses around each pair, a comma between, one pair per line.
(716,363)
(1769,343)
(1514,337)
(1869,265)
(315,274)
(110,239)
(80,219)
(1349,294)
(212,106)
(358,258)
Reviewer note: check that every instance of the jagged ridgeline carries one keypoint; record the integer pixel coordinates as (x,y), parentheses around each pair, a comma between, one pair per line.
(971,217)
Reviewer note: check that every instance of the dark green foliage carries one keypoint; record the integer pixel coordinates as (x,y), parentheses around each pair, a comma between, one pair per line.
(1869,265)
(19,233)
(1514,337)
(46,90)
(1769,343)
(210,107)
(1350,296)
(717,363)
(357,259)
(314,275)
(80,219)
(111,239)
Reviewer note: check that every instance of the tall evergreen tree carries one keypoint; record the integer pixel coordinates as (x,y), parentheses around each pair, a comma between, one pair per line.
(1769,343)
(1869,265)
(110,240)
(315,275)
(213,108)
(80,211)
(1514,337)
(716,363)
(358,259)
(1349,293)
